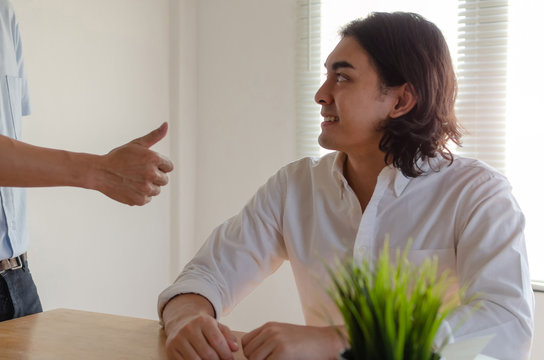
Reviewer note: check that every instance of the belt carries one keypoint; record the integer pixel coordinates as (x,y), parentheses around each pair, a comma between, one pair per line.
(13,263)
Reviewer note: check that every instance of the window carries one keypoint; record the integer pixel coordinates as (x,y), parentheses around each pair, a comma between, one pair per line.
(525,122)
(497,55)
(308,67)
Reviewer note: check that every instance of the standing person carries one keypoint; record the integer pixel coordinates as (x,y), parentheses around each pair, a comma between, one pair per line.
(388,109)
(131,174)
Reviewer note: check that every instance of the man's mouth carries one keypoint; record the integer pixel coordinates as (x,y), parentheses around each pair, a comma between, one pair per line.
(330,118)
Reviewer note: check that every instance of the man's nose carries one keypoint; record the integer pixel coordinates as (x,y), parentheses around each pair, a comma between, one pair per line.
(323,96)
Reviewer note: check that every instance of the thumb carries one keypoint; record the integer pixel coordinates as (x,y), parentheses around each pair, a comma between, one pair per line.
(153,137)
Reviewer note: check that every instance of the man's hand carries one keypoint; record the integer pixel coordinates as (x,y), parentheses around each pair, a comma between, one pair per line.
(132,173)
(193,333)
(287,341)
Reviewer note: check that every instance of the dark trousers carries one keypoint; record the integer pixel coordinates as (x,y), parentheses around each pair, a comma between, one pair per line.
(18,294)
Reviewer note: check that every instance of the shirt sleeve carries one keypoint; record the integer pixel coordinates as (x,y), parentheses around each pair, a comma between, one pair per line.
(492,265)
(238,255)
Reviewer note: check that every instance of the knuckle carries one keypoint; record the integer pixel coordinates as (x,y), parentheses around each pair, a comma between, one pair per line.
(272,328)
(153,158)
(276,337)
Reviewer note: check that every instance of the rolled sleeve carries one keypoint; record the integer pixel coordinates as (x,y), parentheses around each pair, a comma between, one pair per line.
(193,286)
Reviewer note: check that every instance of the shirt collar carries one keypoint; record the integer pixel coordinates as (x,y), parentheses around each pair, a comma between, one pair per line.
(338,167)
(427,166)
(398,179)
(337,172)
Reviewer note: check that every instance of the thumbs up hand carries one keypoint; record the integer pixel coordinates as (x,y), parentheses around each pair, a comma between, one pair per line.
(132,173)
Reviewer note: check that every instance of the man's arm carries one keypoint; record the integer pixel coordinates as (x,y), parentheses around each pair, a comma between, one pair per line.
(192,331)
(492,267)
(130,174)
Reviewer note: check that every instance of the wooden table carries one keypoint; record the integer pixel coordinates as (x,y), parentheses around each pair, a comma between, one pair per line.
(80,335)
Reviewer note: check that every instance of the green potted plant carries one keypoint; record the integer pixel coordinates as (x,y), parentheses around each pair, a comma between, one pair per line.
(391,310)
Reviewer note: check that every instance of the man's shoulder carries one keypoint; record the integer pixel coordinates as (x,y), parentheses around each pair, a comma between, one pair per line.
(306,172)
(465,170)
(475,166)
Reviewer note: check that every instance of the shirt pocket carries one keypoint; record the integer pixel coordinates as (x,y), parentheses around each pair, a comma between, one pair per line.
(15,93)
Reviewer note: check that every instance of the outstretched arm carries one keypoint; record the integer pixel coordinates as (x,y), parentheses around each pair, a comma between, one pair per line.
(131,174)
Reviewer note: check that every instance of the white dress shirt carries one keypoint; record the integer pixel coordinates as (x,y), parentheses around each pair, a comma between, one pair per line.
(464,214)
(14,103)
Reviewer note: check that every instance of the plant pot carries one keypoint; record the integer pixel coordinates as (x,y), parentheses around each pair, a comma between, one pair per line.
(347,355)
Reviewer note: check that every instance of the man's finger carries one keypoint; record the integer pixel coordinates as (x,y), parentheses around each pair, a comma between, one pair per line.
(165,165)
(153,137)
(230,337)
(161,179)
(247,338)
(204,349)
(154,190)
(218,342)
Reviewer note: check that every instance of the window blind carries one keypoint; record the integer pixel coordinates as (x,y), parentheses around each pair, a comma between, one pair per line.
(482,79)
(308,68)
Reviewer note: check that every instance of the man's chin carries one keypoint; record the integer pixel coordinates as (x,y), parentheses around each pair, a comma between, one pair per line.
(325,143)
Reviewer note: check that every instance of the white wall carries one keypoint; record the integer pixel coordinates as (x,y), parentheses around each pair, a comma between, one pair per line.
(98,78)
(246,132)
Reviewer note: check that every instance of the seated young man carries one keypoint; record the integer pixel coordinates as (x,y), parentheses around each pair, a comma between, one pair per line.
(388,109)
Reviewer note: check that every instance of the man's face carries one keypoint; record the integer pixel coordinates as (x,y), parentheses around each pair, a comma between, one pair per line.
(352,101)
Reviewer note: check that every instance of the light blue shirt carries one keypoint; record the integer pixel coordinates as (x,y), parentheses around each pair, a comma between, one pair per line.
(14,104)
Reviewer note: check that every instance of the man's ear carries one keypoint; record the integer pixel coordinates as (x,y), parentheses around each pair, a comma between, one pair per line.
(406,99)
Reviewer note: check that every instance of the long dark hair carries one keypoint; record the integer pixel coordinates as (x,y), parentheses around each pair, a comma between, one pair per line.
(406,48)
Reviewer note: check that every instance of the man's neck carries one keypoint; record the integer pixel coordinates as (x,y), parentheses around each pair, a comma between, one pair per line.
(362,172)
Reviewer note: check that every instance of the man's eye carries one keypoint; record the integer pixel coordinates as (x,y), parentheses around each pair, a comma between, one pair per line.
(340,77)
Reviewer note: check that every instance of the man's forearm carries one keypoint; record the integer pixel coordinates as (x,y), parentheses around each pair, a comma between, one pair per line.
(131,173)
(25,165)
(185,306)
